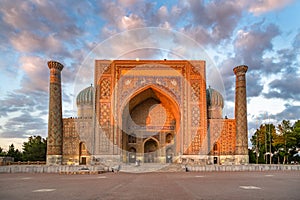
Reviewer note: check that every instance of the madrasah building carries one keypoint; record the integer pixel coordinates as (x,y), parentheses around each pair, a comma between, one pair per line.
(153,111)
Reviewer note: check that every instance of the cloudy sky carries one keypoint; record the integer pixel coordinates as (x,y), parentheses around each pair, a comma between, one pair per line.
(263,34)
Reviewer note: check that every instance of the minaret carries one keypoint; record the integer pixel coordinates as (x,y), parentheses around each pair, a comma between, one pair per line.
(241,150)
(55,125)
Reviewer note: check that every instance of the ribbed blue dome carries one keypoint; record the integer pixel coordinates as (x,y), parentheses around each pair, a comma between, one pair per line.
(214,98)
(86,96)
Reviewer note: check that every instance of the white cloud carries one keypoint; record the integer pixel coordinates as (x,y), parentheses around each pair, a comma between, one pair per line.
(42,15)
(130,22)
(259,7)
(31,42)
(36,74)
(166,25)
(176,11)
(259,105)
(18,143)
(127,2)
(253,42)
(19,17)
(163,12)
(111,12)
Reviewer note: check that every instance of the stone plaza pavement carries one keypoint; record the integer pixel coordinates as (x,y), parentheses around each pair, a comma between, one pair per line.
(176,185)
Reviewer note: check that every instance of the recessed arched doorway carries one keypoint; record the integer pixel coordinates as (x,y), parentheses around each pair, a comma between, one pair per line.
(132,155)
(150,151)
(83,154)
(169,155)
(150,121)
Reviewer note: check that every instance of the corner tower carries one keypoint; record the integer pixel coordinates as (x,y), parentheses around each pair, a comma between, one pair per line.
(55,124)
(241,150)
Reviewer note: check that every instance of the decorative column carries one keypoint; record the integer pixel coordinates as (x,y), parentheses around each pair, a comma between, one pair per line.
(55,124)
(241,149)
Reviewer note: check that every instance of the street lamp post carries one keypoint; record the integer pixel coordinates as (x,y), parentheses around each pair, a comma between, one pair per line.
(266,158)
(256,148)
(270,146)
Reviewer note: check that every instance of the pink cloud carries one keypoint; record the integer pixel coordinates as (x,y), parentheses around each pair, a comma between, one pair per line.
(130,22)
(35,74)
(259,7)
(31,42)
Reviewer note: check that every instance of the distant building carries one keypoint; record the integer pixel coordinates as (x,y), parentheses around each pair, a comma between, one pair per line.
(6,160)
(149,110)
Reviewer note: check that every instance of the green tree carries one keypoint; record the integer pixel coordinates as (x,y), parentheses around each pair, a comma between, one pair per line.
(2,152)
(15,153)
(258,143)
(282,143)
(296,134)
(35,149)
(252,157)
(285,140)
(261,141)
(296,130)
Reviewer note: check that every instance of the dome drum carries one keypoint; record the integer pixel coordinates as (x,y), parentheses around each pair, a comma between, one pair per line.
(84,102)
(215,103)
(85,96)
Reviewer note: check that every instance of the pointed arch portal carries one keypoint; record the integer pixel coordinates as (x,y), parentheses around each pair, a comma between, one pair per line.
(149,115)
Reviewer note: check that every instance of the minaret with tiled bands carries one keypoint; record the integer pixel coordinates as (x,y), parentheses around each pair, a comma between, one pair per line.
(241,150)
(55,124)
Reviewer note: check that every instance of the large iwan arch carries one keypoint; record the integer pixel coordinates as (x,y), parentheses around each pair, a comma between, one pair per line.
(149,115)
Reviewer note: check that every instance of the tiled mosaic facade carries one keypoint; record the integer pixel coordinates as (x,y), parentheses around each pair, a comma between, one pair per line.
(241,110)
(153,111)
(55,125)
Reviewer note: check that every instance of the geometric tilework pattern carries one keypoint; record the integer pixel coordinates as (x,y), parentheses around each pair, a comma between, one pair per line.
(105,89)
(196,91)
(104,114)
(195,116)
(55,125)
(241,111)
(168,84)
(196,143)
(223,134)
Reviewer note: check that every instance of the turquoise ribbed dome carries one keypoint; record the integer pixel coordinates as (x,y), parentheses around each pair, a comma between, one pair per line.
(85,96)
(214,98)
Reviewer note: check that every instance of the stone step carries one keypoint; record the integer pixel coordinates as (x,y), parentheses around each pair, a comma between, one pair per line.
(173,168)
(142,168)
(152,167)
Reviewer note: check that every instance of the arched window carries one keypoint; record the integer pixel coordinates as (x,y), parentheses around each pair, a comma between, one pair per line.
(132,150)
(169,138)
(82,146)
(216,149)
(82,149)
(132,138)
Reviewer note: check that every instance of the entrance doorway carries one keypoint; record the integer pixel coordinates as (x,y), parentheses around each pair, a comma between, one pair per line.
(150,151)
(132,155)
(83,161)
(169,155)
(215,160)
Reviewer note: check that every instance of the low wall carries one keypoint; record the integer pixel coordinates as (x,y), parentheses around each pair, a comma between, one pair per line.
(250,167)
(66,169)
(48,169)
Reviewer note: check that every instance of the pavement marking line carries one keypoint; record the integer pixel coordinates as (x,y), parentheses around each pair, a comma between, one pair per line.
(101,177)
(199,176)
(44,190)
(269,175)
(26,178)
(250,187)
(116,187)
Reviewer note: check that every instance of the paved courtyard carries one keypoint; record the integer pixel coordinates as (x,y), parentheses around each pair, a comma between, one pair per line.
(184,185)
